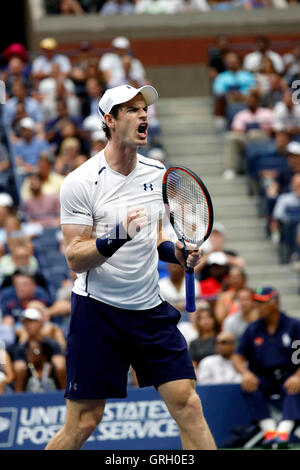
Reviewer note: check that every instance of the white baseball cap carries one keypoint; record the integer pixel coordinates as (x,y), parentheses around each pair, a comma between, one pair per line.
(120,42)
(293,148)
(32,314)
(122,94)
(6,200)
(27,123)
(217,257)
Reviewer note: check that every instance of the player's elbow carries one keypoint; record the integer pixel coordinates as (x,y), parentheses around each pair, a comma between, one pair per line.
(73,262)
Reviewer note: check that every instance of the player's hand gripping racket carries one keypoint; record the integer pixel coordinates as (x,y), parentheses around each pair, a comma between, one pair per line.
(190,210)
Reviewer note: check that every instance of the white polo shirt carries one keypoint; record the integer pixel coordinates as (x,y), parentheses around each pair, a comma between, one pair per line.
(97,196)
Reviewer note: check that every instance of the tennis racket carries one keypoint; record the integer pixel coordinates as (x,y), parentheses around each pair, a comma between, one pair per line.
(190,211)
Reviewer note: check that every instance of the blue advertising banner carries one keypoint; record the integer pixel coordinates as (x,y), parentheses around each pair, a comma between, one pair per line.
(141,421)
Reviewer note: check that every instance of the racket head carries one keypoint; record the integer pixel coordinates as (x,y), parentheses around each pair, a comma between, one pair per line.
(188,204)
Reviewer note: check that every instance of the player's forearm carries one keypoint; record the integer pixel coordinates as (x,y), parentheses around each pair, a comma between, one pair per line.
(83,255)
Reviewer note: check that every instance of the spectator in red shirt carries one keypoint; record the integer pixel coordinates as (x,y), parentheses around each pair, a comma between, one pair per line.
(218,269)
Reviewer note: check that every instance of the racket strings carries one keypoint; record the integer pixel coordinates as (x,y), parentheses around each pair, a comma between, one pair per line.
(188,205)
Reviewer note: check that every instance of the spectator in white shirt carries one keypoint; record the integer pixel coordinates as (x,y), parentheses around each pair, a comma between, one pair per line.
(118,67)
(42,65)
(218,368)
(253,60)
(253,123)
(287,114)
(237,322)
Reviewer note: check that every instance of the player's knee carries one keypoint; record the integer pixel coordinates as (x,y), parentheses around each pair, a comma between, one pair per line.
(188,408)
(88,421)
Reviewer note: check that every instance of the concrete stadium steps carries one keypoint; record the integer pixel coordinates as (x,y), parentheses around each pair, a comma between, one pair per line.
(190,139)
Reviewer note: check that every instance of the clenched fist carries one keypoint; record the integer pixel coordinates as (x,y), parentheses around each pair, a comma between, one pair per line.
(135,219)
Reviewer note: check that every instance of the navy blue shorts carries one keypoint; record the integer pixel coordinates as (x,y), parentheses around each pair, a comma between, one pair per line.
(103,341)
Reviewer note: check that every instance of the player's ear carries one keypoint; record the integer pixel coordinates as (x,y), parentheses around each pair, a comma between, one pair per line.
(109,120)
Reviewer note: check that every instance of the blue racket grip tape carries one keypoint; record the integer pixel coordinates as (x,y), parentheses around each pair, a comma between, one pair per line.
(190,305)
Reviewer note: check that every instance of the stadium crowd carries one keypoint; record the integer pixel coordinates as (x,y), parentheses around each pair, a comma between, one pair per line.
(50,125)
(154,7)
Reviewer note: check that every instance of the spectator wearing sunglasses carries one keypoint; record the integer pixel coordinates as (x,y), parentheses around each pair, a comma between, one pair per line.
(218,368)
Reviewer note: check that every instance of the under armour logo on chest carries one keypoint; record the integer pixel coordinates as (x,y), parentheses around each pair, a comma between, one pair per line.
(148,186)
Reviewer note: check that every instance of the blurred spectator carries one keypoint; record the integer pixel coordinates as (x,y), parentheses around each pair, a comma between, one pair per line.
(70,7)
(41,359)
(57,87)
(89,105)
(291,63)
(217,55)
(42,65)
(207,327)
(287,114)
(14,299)
(218,368)
(190,6)
(221,5)
(226,303)
(40,207)
(27,150)
(237,322)
(216,243)
(15,50)
(6,370)
(234,79)
(173,287)
(16,70)
(231,87)
(70,152)
(55,126)
(117,7)
(217,272)
(51,180)
(5,168)
(80,66)
(264,359)
(119,67)
(36,324)
(19,95)
(281,182)
(287,205)
(20,257)
(6,209)
(253,60)
(277,85)
(253,123)
(99,141)
(262,77)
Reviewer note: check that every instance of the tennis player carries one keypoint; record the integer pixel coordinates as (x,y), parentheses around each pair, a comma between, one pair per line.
(111,208)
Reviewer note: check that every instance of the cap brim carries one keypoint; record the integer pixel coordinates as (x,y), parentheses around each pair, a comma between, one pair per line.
(149,93)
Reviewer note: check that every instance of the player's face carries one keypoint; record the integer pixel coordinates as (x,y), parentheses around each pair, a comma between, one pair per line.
(131,125)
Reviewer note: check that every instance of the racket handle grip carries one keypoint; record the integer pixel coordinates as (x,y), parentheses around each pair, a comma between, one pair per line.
(190,305)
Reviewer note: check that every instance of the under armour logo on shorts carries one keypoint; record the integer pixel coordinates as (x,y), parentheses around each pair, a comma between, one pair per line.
(148,186)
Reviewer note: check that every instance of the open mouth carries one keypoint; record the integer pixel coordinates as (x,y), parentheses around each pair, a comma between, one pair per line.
(142,130)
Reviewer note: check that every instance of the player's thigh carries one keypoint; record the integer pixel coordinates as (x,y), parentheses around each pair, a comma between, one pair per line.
(83,413)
